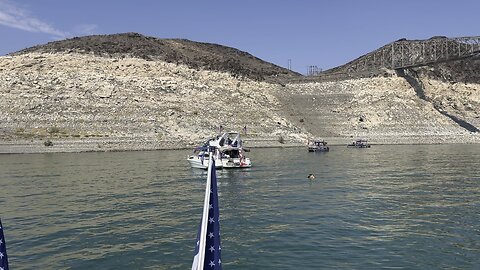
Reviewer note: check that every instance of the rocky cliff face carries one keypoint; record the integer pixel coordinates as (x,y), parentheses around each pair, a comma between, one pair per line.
(453,99)
(120,101)
(385,109)
(77,95)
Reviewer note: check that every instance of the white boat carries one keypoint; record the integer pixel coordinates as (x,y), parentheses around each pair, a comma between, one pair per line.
(201,158)
(229,153)
(232,152)
(359,143)
(318,145)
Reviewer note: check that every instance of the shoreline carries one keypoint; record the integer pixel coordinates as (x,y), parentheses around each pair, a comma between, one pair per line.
(82,145)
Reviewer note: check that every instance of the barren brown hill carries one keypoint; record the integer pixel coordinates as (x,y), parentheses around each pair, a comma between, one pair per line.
(196,55)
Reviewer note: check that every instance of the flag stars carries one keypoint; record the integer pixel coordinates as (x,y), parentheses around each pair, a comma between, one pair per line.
(1,255)
(207,251)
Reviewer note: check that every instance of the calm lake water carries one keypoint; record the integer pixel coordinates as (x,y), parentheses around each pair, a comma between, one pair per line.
(401,207)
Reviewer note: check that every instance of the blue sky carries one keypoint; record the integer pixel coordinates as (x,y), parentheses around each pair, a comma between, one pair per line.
(321,33)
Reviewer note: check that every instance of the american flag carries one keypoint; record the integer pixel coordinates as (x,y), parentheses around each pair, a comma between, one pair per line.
(3,250)
(208,248)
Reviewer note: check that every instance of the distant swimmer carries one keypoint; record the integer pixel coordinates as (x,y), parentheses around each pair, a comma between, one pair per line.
(311,176)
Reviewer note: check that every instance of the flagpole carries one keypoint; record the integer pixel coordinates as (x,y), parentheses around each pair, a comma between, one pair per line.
(206,207)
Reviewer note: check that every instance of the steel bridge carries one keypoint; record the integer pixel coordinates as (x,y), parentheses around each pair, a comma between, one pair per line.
(412,53)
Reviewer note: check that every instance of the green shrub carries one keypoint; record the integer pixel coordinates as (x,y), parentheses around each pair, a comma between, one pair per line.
(53,130)
(48,143)
(19,131)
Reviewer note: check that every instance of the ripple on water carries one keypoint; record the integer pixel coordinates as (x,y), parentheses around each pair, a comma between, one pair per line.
(407,207)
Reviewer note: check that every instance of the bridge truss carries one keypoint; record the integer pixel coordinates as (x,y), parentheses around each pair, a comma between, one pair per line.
(408,53)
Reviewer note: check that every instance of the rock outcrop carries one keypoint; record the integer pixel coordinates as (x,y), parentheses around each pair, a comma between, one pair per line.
(77,95)
(383,109)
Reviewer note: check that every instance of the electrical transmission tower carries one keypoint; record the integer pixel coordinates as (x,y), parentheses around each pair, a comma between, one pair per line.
(313,70)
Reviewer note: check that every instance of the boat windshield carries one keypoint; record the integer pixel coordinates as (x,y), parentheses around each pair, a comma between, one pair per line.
(319,142)
(230,139)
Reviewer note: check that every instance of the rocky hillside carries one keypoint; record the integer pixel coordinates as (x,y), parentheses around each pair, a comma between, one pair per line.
(461,71)
(121,100)
(195,55)
(424,104)
(385,109)
(77,95)
(442,97)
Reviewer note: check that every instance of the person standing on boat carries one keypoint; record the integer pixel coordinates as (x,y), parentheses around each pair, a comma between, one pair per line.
(242,158)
